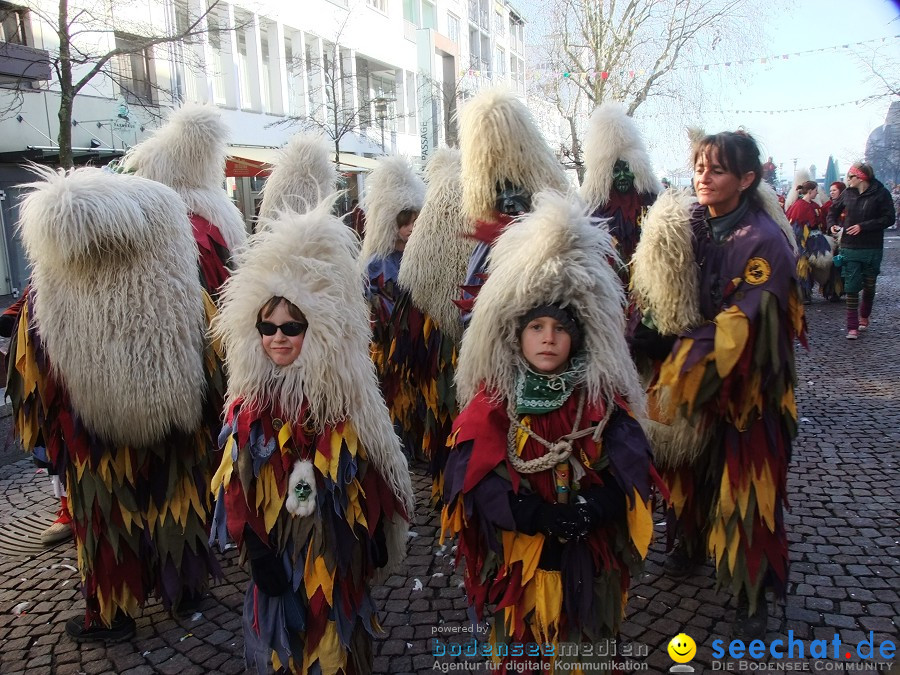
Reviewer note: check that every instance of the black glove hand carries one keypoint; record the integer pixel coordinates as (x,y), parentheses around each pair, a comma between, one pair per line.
(651,342)
(268,575)
(559,520)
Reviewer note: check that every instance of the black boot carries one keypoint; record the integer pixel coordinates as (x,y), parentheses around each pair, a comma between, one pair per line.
(681,562)
(122,629)
(748,627)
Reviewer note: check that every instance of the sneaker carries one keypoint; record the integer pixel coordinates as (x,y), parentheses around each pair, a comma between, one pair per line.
(852,334)
(679,564)
(749,627)
(863,324)
(59,530)
(122,629)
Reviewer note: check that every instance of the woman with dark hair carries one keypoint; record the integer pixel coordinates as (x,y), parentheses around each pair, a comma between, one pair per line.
(867,211)
(833,288)
(727,381)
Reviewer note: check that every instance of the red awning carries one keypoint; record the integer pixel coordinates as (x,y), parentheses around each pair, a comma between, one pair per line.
(241,167)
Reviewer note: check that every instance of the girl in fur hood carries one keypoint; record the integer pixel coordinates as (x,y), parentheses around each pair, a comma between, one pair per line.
(316,488)
(549,478)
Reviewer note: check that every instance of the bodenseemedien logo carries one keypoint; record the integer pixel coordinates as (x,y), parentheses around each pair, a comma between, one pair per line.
(682,649)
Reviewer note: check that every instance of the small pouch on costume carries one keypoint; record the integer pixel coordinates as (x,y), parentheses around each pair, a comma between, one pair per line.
(837,260)
(301,494)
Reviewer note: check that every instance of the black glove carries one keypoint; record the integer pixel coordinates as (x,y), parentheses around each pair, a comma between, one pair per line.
(559,520)
(265,565)
(652,343)
(268,575)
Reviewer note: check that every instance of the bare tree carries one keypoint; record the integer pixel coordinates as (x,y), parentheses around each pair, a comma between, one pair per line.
(84,31)
(342,102)
(632,51)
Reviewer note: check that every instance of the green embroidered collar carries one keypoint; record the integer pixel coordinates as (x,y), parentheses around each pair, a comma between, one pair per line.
(537,393)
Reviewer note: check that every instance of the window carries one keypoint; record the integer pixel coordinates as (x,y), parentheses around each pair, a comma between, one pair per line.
(499,23)
(411,12)
(135,69)
(380,5)
(453,27)
(13,21)
(429,15)
(500,63)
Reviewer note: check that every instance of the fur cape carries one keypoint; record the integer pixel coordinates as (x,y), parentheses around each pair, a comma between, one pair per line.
(500,141)
(188,154)
(664,278)
(303,176)
(440,235)
(553,255)
(310,260)
(392,187)
(766,197)
(613,135)
(118,302)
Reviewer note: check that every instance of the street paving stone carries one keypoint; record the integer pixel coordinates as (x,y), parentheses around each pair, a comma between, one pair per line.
(843,527)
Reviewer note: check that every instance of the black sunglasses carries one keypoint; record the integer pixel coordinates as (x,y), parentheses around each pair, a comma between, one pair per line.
(289,329)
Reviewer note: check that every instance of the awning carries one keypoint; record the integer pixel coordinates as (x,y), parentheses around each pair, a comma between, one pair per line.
(249,162)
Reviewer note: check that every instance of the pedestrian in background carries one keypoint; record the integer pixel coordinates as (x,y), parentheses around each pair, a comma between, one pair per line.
(867,210)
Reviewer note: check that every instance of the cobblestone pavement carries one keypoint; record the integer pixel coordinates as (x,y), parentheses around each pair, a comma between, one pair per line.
(844,530)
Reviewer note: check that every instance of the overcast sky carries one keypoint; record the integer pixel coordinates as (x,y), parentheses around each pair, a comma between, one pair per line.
(819,79)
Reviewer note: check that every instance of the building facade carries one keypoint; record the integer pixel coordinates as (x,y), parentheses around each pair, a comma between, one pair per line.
(375,76)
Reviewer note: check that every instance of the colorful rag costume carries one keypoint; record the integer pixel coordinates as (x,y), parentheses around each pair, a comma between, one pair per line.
(619,183)
(188,154)
(391,188)
(832,287)
(137,459)
(520,451)
(425,324)
(730,377)
(814,259)
(316,486)
(505,161)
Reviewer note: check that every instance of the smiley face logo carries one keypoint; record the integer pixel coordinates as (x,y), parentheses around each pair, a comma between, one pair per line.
(682,648)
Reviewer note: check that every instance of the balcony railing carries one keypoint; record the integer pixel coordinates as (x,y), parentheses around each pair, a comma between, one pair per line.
(24,63)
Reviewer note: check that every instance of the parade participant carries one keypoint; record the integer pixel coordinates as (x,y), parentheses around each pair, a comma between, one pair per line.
(393,198)
(61,528)
(619,183)
(426,325)
(832,285)
(731,375)
(505,162)
(125,417)
(867,211)
(814,250)
(188,154)
(302,176)
(317,490)
(549,479)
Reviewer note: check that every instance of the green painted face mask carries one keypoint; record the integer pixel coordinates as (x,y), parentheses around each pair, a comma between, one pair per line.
(623,179)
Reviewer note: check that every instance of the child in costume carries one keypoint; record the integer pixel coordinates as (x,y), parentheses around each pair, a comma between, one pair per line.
(392,201)
(724,370)
(549,479)
(317,490)
(426,326)
(127,421)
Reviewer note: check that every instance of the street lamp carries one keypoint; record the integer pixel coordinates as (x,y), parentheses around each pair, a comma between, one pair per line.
(381,108)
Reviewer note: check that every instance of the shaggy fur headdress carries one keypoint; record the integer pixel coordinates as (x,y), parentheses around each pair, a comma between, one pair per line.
(392,187)
(765,195)
(613,135)
(801,175)
(188,154)
(303,176)
(500,141)
(664,278)
(439,235)
(118,302)
(554,255)
(309,259)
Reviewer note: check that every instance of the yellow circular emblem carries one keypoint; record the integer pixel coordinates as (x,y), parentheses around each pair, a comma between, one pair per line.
(757,271)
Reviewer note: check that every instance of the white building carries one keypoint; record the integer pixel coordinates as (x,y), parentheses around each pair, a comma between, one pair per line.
(383,75)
